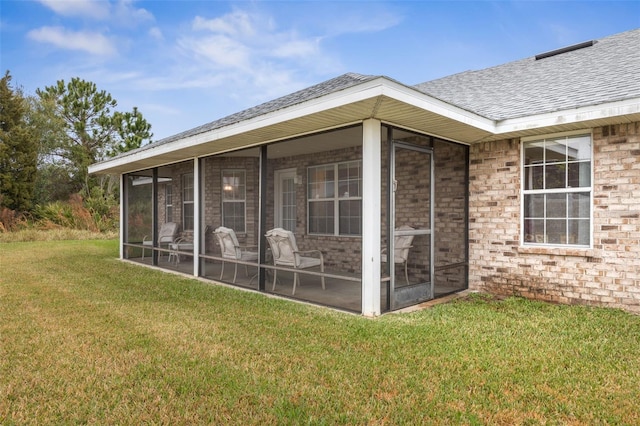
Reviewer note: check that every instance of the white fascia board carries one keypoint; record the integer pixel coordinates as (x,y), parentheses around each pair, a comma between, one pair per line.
(343,97)
(576,115)
(414,97)
(378,87)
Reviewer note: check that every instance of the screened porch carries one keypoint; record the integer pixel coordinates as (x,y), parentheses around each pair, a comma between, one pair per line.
(266,217)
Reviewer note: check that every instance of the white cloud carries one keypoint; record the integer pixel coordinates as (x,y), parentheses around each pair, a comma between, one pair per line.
(156,33)
(95,9)
(160,108)
(90,42)
(365,23)
(219,51)
(122,12)
(237,23)
(248,43)
(297,48)
(251,58)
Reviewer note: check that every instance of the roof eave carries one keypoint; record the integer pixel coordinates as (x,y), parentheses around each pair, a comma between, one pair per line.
(380,98)
(377,98)
(625,111)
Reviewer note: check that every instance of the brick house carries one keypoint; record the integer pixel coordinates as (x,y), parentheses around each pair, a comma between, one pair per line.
(520,179)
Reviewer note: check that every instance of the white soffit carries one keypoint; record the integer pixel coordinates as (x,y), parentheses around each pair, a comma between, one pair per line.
(380,98)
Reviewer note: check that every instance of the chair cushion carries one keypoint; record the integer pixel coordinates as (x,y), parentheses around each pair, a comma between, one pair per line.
(308,262)
(249,256)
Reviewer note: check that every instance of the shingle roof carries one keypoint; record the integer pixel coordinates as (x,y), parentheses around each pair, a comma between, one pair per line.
(330,86)
(607,71)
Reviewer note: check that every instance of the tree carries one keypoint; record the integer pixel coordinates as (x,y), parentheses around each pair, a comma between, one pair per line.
(132,131)
(18,149)
(91,129)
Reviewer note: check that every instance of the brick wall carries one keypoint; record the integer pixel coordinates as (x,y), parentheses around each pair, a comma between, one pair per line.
(341,253)
(606,275)
(212,200)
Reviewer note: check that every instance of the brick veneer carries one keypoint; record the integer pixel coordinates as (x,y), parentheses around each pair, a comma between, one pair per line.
(212,168)
(341,253)
(608,274)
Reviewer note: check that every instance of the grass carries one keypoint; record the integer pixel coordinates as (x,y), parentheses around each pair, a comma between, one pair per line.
(85,338)
(55,234)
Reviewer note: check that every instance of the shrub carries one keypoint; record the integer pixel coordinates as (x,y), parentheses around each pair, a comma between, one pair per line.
(94,214)
(11,221)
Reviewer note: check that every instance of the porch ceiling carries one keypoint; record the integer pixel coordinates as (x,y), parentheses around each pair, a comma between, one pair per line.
(390,111)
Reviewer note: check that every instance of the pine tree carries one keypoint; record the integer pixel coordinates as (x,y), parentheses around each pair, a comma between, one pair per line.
(18,150)
(91,128)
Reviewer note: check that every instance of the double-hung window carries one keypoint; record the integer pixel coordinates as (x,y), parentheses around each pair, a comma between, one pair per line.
(234,200)
(187,202)
(556,189)
(168,202)
(334,197)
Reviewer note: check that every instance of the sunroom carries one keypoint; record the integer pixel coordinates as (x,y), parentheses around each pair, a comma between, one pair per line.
(350,197)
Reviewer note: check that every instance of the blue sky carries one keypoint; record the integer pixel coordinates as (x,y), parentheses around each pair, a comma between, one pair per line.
(186,63)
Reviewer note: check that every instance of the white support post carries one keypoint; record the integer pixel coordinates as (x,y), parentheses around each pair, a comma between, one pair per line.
(123,204)
(371,222)
(197,232)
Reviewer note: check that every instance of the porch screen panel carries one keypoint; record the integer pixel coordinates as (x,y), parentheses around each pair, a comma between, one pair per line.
(138,212)
(451,217)
(175,207)
(229,189)
(313,189)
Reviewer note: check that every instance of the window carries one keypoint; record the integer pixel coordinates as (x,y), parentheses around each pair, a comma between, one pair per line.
(335,199)
(234,199)
(556,190)
(168,202)
(285,214)
(187,202)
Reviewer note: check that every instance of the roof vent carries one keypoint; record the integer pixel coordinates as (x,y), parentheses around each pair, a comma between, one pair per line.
(565,49)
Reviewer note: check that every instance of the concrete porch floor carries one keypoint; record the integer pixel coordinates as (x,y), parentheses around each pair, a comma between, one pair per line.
(339,293)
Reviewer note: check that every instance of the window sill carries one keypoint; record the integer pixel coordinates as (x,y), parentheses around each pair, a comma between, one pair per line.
(560,251)
(332,236)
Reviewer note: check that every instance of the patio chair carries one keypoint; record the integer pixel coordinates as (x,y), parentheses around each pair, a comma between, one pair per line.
(402,244)
(180,244)
(231,249)
(167,234)
(284,251)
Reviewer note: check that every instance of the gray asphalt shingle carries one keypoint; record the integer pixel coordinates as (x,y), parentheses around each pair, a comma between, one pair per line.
(327,87)
(607,71)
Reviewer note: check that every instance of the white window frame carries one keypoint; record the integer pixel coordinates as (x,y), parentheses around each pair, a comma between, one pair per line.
(335,199)
(168,202)
(243,200)
(186,201)
(524,238)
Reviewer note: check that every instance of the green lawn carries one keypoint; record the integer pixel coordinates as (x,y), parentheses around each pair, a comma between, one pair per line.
(85,338)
